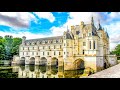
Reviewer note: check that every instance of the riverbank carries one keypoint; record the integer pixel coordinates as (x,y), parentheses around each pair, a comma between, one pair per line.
(5,62)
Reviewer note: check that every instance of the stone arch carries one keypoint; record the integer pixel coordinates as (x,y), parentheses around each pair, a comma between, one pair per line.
(54,61)
(79,64)
(32,61)
(22,61)
(43,61)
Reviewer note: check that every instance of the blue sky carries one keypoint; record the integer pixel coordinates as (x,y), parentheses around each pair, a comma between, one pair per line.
(46,24)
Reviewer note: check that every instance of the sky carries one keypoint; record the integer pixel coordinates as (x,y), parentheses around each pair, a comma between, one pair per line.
(47,24)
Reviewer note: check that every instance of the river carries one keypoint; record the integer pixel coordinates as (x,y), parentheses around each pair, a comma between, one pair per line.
(32,71)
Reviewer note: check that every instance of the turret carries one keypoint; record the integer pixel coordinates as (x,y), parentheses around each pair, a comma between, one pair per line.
(23,39)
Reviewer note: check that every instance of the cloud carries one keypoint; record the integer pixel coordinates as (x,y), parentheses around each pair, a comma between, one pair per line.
(16,19)
(113,28)
(28,35)
(46,15)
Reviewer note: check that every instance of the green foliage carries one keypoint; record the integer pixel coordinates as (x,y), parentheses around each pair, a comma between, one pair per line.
(9,47)
(117,51)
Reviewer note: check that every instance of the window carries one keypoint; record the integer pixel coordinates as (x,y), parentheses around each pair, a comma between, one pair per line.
(32,53)
(54,46)
(48,53)
(84,44)
(27,53)
(89,34)
(83,35)
(49,47)
(59,53)
(64,53)
(43,53)
(60,46)
(67,44)
(28,48)
(36,53)
(33,48)
(90,44)
(101,35)
(83,52)
(23,53)
(54,52)
(94,44)
(64,44)
(23,48)
(43,47)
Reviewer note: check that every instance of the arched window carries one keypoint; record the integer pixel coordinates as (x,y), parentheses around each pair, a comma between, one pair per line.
(94,44)
(90,44)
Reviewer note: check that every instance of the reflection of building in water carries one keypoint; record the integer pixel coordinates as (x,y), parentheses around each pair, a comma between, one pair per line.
(15,69)
(84,43)
(29,71)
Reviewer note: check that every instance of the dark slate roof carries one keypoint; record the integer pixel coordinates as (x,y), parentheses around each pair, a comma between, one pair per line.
(93,28)
(68,36)
(47,38)
(99,27)
(107,34)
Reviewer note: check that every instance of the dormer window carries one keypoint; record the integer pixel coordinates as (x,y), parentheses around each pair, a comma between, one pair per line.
(84,35)
(89,34)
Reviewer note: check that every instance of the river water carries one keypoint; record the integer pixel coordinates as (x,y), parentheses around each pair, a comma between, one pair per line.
(32,71)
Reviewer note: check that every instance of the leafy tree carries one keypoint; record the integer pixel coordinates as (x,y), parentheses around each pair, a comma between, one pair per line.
(9,47)
(117,51)
(15,46)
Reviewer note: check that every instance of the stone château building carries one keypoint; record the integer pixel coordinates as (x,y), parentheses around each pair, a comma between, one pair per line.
(81,47)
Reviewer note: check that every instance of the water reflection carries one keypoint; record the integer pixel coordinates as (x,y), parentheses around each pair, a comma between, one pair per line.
(31,71)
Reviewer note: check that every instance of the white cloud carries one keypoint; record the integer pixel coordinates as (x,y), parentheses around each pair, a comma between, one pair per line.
(16,19)
(75,18)
(28,35)
(46,15)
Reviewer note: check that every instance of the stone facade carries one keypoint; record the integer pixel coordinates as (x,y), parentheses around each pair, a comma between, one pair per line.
(83,43)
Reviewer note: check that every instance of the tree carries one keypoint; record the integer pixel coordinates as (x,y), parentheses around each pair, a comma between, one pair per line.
(9,47)
(117,51)
(15,46)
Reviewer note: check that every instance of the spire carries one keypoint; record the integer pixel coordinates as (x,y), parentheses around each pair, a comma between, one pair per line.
(92,21)
(67,29)
(99,26)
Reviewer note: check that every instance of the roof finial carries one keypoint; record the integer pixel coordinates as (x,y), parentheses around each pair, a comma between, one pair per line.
(67,29)
(99,26)
(92,20)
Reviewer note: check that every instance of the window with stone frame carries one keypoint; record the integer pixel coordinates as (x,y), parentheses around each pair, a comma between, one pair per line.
(90,44)
(89,34)
(54,46)
(43,53)
(84,43)
(84,35)
(94,44)
(47,53)
(54,52)
(60,46)
(59,53)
